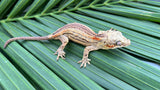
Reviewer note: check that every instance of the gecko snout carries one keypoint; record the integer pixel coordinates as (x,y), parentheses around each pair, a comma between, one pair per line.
(125,43)
(128,42)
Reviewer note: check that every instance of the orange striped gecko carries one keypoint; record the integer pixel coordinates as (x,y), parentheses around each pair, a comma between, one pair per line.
(82,34)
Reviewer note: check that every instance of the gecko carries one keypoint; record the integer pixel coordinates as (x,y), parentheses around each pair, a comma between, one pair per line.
(83,35)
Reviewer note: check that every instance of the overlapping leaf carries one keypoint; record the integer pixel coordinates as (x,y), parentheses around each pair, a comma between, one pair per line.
(109,69)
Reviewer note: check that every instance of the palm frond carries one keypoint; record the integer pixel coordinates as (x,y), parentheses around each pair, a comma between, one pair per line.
(33,65)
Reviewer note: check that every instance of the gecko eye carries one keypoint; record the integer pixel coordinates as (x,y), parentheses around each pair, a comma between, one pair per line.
(118,43)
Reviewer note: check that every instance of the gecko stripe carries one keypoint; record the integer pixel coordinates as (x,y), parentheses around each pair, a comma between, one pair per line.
(69,31)
(76,26)
(78,39)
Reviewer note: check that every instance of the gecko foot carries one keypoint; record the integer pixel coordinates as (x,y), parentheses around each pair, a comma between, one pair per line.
(60,53)
(84,62)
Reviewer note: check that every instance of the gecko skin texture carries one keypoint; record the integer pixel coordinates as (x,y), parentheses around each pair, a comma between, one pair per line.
(82,34)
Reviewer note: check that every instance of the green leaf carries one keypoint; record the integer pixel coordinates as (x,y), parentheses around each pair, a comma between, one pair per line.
(18,9)
(32,64)
(37,4)
(5,7)
(130,12)
(143,6)
(153,3)
(49,5)
(65,4)
(82,2)
(33,68)
(11,77)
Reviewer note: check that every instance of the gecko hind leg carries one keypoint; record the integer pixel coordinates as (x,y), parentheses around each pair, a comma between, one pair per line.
(64,39)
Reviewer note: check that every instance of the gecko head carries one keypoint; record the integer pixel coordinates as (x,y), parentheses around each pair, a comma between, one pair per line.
(115,39)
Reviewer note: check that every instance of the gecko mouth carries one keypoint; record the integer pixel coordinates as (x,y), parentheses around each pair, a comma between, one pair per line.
(110,46)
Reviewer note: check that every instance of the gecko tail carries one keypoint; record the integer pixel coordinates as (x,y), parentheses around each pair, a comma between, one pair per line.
(25,38)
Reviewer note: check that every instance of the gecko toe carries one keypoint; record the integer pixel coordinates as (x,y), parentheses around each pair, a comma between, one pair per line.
(79,61)
(81,66)
(84,62)
(89,63)
(55,53)
(57,58)
(60,53)
(63,57)
(84,65)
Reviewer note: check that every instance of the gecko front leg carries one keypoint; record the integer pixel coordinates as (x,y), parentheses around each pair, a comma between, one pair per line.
(85,60)
(60,52)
